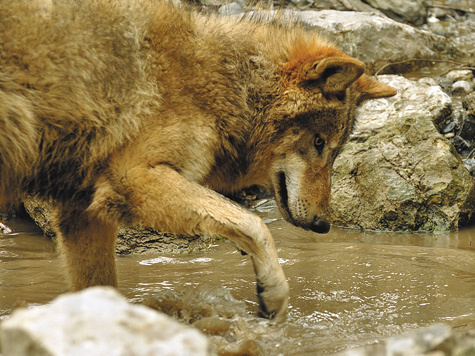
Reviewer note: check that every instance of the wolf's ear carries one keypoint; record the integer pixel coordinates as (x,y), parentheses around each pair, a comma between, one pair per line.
(372,89)
(335,74)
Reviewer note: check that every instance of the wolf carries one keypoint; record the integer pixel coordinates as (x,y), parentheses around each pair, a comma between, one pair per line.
(146,113)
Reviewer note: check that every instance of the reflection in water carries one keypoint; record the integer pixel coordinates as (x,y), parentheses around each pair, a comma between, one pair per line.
(348,288)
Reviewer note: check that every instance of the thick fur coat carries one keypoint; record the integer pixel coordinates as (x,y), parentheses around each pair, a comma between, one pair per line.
(141,112)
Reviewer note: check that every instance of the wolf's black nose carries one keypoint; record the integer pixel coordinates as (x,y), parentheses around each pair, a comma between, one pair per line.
(320,225)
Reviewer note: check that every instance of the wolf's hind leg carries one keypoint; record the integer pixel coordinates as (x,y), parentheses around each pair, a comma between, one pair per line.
(87,247)
(162,198)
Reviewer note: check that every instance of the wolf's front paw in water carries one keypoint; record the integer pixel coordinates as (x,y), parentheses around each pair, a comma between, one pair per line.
(273,300)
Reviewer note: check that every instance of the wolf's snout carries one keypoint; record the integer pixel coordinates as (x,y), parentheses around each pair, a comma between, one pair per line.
(320,226)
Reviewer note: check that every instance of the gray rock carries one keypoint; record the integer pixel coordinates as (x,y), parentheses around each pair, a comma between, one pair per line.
(375,39)
(435,337)
(469,104)
(456,75)
(465,344)
(468,126)
(433,340)
(470,165)
(414,11)
(137,240)
(462,87)
(423,97)
(231,9)
(212,3)
(130,240)
(438,13)
(398,172)
(353,5)
(42,214)
(449,128)
(98,322)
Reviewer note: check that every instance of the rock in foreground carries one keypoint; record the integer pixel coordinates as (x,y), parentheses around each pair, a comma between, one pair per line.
(98,322)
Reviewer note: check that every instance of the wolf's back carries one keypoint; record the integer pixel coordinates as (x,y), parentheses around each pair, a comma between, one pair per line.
(73,87)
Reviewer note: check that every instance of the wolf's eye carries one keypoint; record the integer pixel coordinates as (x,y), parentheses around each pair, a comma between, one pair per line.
(319,143)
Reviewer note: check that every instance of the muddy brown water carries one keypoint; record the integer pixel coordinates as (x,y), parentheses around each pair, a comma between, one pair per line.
(348,288)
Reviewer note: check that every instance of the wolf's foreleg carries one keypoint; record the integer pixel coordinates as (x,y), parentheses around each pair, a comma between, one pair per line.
(87,247)
(162,198)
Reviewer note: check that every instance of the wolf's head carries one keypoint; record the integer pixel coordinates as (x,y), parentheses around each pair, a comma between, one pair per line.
(311,119)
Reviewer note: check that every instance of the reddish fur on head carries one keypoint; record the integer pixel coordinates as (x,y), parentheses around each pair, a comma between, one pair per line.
(304,53)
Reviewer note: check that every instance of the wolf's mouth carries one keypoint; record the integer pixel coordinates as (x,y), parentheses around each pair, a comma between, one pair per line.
(317,225)
(283,194)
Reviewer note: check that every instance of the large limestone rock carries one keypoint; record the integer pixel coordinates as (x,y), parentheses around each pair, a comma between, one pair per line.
(98,322)
(398,172)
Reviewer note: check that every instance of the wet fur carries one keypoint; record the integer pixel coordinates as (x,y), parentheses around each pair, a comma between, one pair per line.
(126,112)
